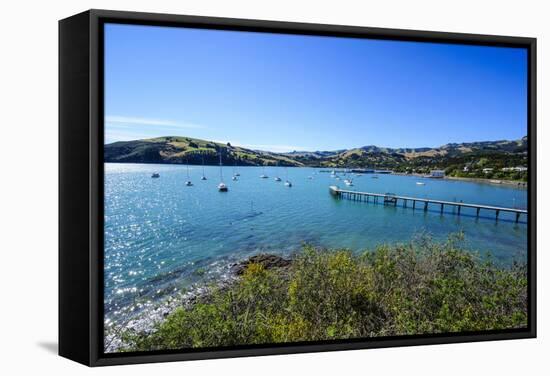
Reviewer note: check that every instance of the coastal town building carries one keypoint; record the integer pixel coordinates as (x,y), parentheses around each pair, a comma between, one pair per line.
(437,173)
(517,169)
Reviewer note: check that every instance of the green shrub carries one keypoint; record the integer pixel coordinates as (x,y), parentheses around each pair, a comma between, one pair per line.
(418,288)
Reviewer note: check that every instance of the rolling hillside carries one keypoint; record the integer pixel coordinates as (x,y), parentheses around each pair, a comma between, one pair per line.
(453,157)
(175,149)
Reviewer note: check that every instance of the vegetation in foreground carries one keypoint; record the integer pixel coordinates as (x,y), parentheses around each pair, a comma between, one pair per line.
(418,288)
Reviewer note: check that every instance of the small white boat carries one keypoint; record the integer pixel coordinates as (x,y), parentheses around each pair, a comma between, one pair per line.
(496,181)
(348,182)
(155,175)
(222,187)
(234,178)
(203,175)
(420,183)
(263,175)
(188,182)
(277,179)
(287,182)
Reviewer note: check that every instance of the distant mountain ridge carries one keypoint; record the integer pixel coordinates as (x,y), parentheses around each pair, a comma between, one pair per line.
(177,149)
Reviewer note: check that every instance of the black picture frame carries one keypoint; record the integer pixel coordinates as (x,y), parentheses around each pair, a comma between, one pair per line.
(81,184)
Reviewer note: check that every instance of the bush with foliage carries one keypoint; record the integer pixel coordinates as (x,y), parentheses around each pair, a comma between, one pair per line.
(418,288)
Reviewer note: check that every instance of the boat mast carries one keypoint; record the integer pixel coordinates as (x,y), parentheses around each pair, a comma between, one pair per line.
(221,172)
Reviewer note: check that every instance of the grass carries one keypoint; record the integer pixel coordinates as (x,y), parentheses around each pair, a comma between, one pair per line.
(418,288)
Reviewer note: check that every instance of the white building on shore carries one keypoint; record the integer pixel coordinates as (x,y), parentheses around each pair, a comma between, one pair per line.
(437,173)
(517,169)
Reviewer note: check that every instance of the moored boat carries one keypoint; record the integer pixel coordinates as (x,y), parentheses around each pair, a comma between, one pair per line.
(188,183)
(222,187)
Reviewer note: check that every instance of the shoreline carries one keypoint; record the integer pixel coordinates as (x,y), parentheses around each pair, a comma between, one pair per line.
(511,183)
(496,182)
(323,169)
(145,321)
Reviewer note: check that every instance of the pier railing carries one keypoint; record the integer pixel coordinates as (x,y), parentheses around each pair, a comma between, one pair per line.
(391,199)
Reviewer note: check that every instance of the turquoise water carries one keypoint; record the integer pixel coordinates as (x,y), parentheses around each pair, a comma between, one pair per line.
(161,234)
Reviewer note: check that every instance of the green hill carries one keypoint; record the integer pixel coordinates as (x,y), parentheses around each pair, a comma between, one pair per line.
(457,159)
(179,150)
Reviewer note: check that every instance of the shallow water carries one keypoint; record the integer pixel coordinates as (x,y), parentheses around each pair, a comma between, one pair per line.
(161,235)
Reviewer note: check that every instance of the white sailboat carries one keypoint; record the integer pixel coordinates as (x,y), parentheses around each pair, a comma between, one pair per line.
(203,175)
(188,182)
(222,187)
(288,183)
(348,182)
(276,177)
(234,177)
(263,175)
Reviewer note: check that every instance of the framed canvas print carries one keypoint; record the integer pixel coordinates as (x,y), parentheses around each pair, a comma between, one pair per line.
(239,187)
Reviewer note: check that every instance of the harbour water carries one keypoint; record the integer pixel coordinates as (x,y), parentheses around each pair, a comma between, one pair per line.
(161,235)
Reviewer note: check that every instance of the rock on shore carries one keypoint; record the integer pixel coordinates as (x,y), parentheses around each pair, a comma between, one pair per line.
(268,261)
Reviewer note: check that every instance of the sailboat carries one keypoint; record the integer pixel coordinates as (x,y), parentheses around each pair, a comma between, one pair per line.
(188,182)
(276,177)
(348,182)
(234,177)
(287,182)
(263,175)
(222,187)
(203,176)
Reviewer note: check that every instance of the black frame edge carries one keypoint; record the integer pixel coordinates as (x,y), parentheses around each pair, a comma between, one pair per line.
(532,192)
(74,216)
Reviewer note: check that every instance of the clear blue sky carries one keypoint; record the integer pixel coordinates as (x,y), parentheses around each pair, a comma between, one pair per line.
(289,92)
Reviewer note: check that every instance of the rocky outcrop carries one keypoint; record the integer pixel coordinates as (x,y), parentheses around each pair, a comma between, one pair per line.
(266,260)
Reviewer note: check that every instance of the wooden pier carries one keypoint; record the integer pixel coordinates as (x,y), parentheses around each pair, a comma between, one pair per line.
(391,199)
